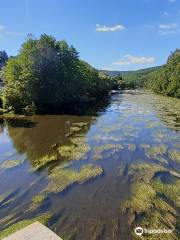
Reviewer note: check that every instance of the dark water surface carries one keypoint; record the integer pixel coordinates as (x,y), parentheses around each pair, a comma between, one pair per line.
(133,141)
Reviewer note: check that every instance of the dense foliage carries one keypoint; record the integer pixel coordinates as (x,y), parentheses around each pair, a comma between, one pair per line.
(167,79)
(131,79)
(3,60)
(48,76)
(138,78)
(164,79)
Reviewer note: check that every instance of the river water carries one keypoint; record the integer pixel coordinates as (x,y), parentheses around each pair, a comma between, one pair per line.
(131,148)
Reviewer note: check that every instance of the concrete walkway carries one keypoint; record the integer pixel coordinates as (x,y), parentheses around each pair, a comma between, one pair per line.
(35,231)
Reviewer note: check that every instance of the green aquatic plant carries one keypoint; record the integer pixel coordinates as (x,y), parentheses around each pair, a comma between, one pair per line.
(74,152)
(10,163)
(44,219)
(131,147)
(99,138)
(171,191)
(160,219)
(60,179)
(154,152)
(75,129)
(78,140)
(110,146)
(98,151)
(159,135)
(36,201)
(38,198)
(66,151)
(80,124)
(43,161)
(4,196)
(174,156)
(151,200)
(161,159)
(141,199)
(97,156)
(145,146)
(111,129)
(143,171)
(152,124)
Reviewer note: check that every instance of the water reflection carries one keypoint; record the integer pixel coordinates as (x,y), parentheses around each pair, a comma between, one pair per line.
(38,141)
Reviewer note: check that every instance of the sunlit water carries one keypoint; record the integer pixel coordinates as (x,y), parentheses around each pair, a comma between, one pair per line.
(134,120)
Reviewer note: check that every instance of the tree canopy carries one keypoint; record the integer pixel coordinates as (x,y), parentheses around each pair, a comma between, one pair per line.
(48,75)
(3,60)
(167,79)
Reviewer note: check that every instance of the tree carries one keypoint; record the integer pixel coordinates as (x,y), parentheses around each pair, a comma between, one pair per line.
(167,79)
(48,76)
(3,58)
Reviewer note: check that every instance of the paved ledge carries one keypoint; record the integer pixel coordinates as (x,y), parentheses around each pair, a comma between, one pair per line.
(35,231)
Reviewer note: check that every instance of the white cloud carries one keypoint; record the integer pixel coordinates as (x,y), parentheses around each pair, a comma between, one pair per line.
(168,26)
(4,32)
(172,1)
(166,29)
(114,28)
(130,59)
(168,32)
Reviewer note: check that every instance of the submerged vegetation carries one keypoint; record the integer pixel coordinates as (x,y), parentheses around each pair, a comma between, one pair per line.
(174,156)
(43,161)
(153,203)
(154,152)
(60,179)
(10,164)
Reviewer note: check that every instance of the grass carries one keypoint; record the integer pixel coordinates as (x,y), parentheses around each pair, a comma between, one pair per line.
(22,224)
(10,164)
(60,179)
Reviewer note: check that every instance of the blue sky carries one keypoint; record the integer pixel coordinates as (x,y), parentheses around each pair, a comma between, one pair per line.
(109,34)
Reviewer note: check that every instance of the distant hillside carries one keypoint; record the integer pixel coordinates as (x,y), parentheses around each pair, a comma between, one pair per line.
(133,78)
(130,73)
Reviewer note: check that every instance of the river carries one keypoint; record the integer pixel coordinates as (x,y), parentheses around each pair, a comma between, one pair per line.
(96,176)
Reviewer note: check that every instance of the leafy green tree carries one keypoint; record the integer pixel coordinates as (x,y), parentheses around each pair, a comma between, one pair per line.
(167,80)
(3,58)
(48,75)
